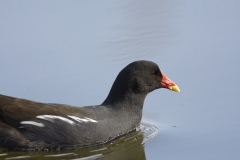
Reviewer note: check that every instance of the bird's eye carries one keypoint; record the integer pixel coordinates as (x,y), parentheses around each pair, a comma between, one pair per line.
(153,73)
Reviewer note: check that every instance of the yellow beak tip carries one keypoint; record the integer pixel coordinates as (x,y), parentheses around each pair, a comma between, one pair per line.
(174,88)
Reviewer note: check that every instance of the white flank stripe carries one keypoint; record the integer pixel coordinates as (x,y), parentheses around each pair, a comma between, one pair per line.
(82,119)
(91,120)
(50,117)
(33,123)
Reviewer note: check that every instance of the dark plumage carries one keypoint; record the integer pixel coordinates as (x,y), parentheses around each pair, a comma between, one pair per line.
(27,124)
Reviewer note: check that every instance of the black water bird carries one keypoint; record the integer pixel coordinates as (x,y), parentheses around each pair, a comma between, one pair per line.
(29,125)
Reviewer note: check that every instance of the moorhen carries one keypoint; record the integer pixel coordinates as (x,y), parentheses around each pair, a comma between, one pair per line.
(29,125)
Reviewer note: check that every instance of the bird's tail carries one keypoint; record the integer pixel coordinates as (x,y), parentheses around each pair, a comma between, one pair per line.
(11,139)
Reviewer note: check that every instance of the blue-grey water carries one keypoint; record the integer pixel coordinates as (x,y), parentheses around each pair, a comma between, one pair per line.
(71,51)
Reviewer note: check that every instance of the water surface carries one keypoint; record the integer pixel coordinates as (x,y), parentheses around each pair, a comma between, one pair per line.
(70,52)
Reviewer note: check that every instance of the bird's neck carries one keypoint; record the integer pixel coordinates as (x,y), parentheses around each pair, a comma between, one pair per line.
(130,102)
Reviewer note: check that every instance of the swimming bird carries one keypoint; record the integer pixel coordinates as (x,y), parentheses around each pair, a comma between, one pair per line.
(30,125)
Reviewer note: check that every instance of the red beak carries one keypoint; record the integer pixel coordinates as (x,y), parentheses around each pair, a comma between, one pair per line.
(169,84)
